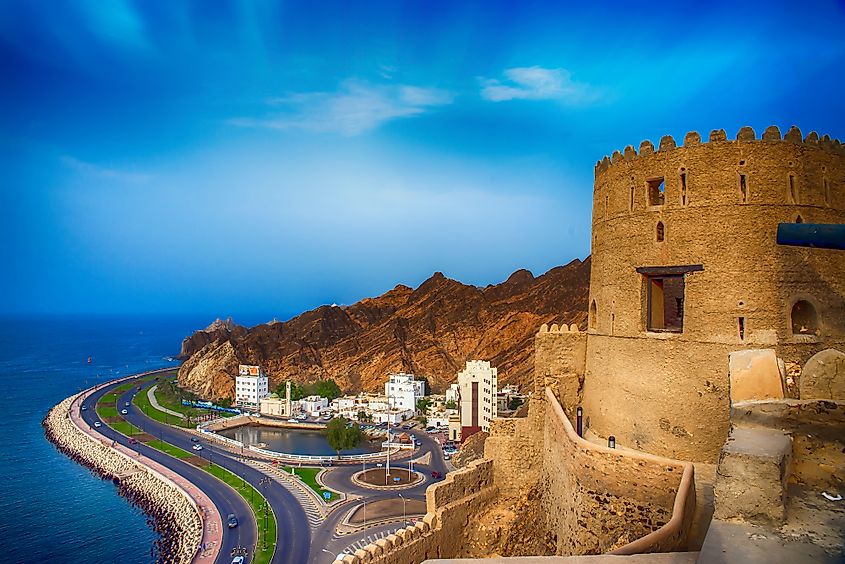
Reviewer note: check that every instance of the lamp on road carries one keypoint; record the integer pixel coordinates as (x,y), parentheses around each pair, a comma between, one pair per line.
(264,482)
(404,520)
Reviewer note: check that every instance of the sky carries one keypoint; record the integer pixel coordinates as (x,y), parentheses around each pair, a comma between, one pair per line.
(264,158)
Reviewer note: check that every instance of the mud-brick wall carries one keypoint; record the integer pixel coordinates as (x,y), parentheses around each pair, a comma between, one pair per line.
(515,449)
(598,499)
(451,506)
(559,363)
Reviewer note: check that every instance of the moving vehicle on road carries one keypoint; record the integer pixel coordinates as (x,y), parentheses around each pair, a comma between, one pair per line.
(133,441)
(197,447)
(126,404)
(194,440)
(123,412)
(97,424)
(231,520)
(436,475)
(83,408)
(238,560)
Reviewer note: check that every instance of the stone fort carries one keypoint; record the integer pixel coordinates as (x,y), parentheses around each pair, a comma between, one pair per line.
(711,356)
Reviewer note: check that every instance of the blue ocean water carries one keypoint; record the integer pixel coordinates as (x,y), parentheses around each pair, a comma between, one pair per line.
(51,508)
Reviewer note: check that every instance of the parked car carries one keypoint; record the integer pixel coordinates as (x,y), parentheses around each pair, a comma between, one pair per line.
(97,424)
(197,447)
(231,520)
(418,443)
(123,412)
(293,421)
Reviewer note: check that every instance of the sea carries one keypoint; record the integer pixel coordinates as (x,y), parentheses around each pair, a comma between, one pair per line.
(51,508)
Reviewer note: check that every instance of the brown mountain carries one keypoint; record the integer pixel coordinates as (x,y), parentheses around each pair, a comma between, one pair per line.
(430,331)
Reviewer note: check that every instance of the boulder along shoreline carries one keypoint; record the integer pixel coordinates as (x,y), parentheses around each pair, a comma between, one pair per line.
(171,515)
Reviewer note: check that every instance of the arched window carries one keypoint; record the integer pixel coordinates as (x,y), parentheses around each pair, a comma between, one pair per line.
(805,321)
(661,232)
(593,314)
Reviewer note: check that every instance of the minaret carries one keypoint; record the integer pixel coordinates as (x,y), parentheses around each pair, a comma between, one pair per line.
(288,410)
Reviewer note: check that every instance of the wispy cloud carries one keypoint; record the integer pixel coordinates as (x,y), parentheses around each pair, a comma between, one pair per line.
(103,172)
(357,107)
(537,83)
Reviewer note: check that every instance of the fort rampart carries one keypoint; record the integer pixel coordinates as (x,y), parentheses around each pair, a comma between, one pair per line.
(686,268)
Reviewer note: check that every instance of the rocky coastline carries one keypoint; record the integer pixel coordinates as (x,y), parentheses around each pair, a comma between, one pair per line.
(169,511)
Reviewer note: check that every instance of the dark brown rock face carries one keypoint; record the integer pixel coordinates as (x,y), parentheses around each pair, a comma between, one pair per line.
(430,331)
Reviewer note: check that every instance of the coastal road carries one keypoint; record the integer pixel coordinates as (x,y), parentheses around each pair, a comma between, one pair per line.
(224,498)
(293,536)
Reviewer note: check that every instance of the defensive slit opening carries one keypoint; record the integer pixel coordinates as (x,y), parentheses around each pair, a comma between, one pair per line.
(743,188)
(741,328)
(660,231)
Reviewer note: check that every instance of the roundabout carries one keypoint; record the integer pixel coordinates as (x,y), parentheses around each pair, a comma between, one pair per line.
(381,478)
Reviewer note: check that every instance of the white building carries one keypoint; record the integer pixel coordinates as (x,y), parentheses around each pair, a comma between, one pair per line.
(477,386)
(453,393)
(403,391)
(314,405)
(251,386)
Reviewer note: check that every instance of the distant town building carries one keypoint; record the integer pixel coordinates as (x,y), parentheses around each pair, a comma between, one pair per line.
(509,395)
(477,385)
(453,393)
(314,405)
(454,428)
(276,406)
(251,386)
(403,391)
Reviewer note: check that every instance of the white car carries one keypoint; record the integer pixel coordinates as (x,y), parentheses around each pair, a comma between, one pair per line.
(293,421)
(123,412)
(97,424)
(197,447)
(83,408)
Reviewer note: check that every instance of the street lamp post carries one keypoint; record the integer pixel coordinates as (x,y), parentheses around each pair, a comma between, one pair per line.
(404,519)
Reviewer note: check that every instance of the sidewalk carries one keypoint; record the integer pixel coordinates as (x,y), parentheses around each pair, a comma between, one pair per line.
(154,402)
(212,531)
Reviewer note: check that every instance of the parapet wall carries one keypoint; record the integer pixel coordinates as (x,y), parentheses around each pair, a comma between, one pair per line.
(450,504)
(598,499)
(560,356)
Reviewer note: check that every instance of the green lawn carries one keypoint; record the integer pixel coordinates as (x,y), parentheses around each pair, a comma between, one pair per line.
(125,428)
(252,496)
(309,477)
(143,403)
(106,411)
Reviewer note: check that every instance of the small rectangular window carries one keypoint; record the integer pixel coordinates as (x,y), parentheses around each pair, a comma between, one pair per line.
(656,189)
(683,188)
(743,188)
(631,201)
(666,303)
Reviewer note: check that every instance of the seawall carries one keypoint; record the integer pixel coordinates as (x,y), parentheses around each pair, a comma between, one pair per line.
(173,514)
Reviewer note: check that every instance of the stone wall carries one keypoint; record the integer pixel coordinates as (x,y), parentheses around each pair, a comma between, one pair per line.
(721,202)
(175,517)
(560,356)
(598,499)
(451,505)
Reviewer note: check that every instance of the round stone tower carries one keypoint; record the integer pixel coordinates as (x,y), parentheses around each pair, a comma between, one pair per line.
(686,269)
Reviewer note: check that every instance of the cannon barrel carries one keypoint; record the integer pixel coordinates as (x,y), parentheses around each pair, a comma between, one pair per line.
(816,235)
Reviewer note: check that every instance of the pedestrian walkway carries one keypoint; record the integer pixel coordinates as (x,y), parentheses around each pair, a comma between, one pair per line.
(212,534)
(154,402)
(316,514)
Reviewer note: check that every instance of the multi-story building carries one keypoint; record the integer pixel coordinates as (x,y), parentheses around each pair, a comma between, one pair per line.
(477,387)
(251,386)
(403,391)
(314,405)
(453,393)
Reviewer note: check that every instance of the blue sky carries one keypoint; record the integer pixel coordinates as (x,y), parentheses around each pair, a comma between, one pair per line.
(269,157)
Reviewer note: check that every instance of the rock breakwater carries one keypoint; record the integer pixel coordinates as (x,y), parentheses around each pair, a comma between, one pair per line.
(172,515)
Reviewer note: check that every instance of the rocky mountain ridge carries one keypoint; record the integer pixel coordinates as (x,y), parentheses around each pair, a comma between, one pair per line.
(430,331)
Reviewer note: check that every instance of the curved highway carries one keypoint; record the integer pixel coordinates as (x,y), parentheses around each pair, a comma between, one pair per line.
(224,498)
(293,536)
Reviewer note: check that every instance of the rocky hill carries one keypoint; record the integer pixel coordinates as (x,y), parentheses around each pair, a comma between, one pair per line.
(429,331)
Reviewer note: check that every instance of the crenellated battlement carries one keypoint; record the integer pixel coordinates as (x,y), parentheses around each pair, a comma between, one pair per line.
(717,136)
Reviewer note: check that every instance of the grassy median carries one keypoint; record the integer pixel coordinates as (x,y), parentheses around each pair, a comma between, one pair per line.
(252,497)
(309,478)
